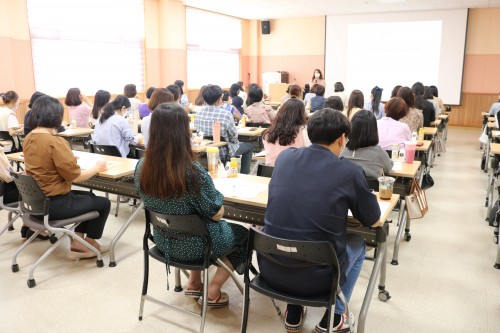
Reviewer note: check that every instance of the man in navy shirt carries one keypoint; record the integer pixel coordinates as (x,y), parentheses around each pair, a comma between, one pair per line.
(310,193)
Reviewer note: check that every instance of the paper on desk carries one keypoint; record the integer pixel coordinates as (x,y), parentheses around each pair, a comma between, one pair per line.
(398,166)
(384,205)
(262,153)
(233,187)
(88,161)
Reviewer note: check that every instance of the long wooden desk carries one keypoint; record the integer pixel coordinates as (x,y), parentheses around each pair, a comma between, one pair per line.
(252,210)
(252,135)
(251,131)
(72,132)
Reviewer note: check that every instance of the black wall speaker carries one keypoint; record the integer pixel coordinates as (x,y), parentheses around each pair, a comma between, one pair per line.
(266,27)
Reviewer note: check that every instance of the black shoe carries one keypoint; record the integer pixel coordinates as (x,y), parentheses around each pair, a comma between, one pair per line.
(294,317)
(30,233)
(24,231)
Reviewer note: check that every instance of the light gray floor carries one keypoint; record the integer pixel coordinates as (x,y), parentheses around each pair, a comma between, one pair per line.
(445,281)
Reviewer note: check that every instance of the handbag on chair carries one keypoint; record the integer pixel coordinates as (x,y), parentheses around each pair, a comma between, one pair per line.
(416,202)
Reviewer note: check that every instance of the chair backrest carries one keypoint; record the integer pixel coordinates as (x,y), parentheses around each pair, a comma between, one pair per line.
(105,150)
(181,226)
(139,153)
(33,201)
(372,184)
(5,136)
(265,171)
(305,253)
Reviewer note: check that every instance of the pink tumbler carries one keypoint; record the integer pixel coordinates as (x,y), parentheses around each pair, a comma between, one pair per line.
(410,147)
(216,132)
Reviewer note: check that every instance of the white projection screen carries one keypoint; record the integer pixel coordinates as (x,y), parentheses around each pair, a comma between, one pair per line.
(389,49)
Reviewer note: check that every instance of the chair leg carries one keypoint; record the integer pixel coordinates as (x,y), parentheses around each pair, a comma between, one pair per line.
(276,307)
(144,283)
(246,301)
(205,300)
(329,323)
(10,223)
(31,279)
(15,266)
(117,205)
(178,285)
(231,273)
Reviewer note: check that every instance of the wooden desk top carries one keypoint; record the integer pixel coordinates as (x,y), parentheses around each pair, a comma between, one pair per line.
(495,134)
(492,124)
(443,116)
(251,131)
(407,171)
(260,199)
(425,147)
(71,132)
(205,144)
(117,166)
(494,148)
(430,130)
(436,122)
(484,114)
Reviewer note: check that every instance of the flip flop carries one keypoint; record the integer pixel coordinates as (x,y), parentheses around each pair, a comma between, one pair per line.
(194,293)
(219,302)
(72,255)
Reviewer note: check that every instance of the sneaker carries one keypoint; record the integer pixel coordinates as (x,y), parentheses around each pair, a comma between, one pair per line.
(294,317)
(342,327)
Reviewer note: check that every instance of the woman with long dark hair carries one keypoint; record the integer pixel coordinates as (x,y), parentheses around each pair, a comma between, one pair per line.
(288,130)
(101,98)
(170,181)
(112,128)
(355,103)
(375,104)
(362,147)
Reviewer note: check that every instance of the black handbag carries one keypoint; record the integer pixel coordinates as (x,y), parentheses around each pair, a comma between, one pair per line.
(427,181)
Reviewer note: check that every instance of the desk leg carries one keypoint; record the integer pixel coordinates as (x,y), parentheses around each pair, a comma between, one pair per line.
(399,235)
(112,262)
(489,194)
(445,131)
(497,263)
(430,153)
(487,156)
(379,269)
(422,172)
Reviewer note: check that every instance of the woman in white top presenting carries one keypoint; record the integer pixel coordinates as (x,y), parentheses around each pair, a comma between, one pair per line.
(317,78)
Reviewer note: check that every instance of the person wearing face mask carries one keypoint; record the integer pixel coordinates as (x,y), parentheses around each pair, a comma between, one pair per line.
(113,129)
(317,78)
(8,118)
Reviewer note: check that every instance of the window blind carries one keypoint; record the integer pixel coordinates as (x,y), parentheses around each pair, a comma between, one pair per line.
(89,44)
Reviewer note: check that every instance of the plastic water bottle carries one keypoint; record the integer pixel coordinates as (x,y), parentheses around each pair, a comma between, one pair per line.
(233,168)
(395,152)
(421,134)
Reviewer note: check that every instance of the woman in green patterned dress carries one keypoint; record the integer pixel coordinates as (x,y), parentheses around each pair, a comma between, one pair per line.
(170,181)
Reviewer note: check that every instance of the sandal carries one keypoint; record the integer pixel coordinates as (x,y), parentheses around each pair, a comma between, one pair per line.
(219,302)
(194,293)
(72,255)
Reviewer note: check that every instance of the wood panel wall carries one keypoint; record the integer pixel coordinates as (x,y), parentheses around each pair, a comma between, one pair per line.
(468,114)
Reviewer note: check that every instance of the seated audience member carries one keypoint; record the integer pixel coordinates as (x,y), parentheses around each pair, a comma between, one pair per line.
(175,91)
(339,91)
(159,96)
(170,181)
(362,147)
(318,101)
(214,113)
(307,89)
(395,90)
(80,107)
(257,111)
(101,98)
(310,94)
(295,91)
(113,129)
(226,105)
(144,111)
(421,104)
(8,118)
(27,128)
(495,107)
(356,102)
(414,119)
(390,130)
(310,194)
(430,98)
(242,94)
(184,99)
(236,100)
(335,103)
(439,101)
(288,130)
(50,161)
(130,91)
(199,102)
(286,96)
(374,103)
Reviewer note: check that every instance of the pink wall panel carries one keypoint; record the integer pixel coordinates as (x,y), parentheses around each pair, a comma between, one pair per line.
(481,73)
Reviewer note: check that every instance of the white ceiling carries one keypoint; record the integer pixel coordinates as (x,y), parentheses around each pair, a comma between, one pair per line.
(271,9)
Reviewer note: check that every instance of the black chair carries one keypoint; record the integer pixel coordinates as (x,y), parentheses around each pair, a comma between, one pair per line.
(34,204)
(265,171)
(110,151)
(5,136)
(12,208)
(180,226)
(139,153)
(306,254)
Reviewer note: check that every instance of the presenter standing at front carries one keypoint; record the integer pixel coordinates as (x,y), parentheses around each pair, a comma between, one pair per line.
(317,78)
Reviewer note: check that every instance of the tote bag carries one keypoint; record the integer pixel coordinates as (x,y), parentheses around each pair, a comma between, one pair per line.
(416,202)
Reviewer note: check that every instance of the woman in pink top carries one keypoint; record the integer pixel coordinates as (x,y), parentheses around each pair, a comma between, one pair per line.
(256,111)
(288,130)
(390,130)
(79,107)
